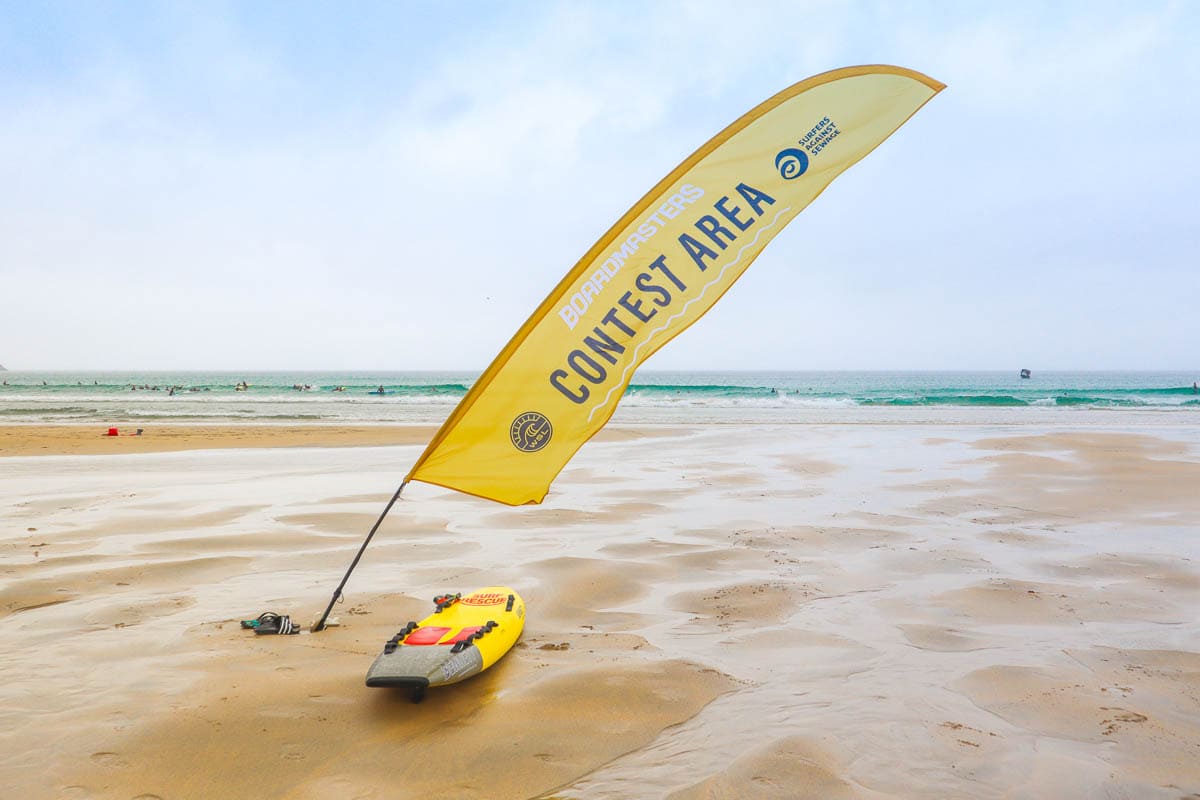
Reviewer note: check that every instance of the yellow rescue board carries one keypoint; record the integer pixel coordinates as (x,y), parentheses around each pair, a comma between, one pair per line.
(466,634)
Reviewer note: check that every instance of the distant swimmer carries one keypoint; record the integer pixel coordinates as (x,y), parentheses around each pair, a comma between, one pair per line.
(378,391)
(1195,387)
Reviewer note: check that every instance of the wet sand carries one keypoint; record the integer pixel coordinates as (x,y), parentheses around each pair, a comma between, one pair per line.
(714,612)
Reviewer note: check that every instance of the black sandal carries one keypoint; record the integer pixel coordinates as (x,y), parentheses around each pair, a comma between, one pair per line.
(271,623)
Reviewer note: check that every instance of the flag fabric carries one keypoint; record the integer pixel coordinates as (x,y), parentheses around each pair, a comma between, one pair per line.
(655,272)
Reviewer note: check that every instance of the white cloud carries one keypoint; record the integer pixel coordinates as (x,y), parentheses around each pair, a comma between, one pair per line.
(210,203)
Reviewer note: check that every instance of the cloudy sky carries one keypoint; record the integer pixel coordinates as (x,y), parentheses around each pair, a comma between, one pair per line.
(397,186)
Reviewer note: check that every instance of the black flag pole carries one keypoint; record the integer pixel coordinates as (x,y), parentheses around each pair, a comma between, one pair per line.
(320,624)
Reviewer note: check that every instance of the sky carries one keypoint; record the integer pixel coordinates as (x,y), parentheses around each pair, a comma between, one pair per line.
(397,186)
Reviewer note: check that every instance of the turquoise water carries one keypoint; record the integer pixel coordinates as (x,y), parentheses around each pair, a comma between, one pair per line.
(426,397)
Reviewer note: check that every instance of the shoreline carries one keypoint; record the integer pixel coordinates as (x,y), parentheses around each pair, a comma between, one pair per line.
(86,439)
(786,397)
(27,439)
(91,439)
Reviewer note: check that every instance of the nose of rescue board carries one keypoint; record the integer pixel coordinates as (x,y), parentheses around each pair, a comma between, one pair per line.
(466,634)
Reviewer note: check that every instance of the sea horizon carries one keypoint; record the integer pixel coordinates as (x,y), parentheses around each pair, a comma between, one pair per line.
(654,396)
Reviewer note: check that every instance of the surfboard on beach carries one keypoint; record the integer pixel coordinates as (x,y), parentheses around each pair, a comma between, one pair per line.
(464,635)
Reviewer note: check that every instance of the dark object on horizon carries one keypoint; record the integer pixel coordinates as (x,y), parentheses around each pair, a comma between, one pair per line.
(1025,373)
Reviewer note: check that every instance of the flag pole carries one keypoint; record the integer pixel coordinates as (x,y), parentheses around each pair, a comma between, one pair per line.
(337,593)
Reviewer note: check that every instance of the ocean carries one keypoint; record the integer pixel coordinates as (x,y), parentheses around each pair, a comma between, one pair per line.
(654,397)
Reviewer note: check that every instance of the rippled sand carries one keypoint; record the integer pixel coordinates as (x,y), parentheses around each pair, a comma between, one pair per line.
(714,612)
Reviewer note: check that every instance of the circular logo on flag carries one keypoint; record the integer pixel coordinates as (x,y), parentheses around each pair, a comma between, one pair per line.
(530,432)
(791,163)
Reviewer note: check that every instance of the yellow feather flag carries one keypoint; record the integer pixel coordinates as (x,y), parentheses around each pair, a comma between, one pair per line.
(654,273)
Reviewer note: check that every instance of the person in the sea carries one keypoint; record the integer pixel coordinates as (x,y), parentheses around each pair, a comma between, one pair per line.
(1195,387)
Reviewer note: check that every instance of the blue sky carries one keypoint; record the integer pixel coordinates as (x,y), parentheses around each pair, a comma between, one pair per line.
(396,186)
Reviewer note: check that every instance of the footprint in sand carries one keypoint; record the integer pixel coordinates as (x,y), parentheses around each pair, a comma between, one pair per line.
(112,760)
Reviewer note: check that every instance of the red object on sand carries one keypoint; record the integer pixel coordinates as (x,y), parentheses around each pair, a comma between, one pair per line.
(112,431)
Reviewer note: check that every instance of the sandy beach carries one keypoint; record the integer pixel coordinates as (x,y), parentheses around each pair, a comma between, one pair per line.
(57,440)
(54,440)
(720,611)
